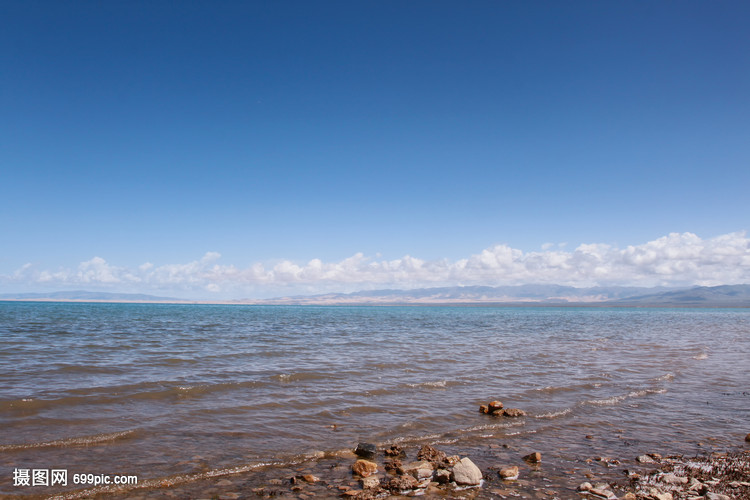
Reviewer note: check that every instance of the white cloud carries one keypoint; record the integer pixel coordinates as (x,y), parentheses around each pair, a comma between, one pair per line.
(675,259)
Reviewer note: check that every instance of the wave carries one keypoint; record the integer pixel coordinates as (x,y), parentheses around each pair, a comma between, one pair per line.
(300,376)
(75,441)
(555,414)
(618,399)
(116,394)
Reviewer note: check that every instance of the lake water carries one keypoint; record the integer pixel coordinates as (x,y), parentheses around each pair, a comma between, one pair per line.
(163,390)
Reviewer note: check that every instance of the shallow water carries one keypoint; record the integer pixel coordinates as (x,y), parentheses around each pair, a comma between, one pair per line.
(160,390)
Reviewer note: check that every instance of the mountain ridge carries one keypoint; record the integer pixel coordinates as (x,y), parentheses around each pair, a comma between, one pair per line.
(541,295)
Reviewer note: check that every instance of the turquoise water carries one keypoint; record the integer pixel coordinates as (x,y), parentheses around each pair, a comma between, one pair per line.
(160,390)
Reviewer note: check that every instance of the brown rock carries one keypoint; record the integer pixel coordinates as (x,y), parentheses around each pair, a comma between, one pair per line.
(392,465)
(394,451)
(401,483)
(533,458)
(309,478)
(483,409)
(431,454)
(497,413)
(508,473)
(364,468)
(442,476)
(494,405)
(419,470)
(370,482)
(747,438)
(513,412)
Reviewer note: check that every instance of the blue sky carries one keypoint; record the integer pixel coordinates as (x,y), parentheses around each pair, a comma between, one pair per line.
(212,149)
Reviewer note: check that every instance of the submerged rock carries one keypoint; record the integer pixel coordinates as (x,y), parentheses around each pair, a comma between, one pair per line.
(533,458)
(364,468)
(513,412)
(466,473)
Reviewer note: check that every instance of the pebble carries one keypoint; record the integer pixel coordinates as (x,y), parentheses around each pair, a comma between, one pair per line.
(747,438)
(645,459)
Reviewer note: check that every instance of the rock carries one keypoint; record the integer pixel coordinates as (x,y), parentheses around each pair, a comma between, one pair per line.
(364,468)
(309,478)
(497,413)
(589,436)
(508,473)
(513,412)
(431,454)
(585,486)
(645,459)
(442,476)
(533,458)
(419,470)
(672,478)
(452,460)
(484,409)
(659,495)
(747,438)
(370,482)
(717,496)
(466,473)
(392,465)
(399,484)
(629,496)
(602,493)
(655,456)
(394,451)
(494,405)
(366,450)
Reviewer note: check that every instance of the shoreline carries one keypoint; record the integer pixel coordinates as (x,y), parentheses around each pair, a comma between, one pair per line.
(420,471)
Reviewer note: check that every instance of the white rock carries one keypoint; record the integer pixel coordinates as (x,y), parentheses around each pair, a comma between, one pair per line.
(465,472)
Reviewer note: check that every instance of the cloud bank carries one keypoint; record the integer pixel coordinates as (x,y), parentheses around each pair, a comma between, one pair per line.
(678,259)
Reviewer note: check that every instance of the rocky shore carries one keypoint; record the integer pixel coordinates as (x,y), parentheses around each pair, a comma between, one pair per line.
(500,471)
(395,472)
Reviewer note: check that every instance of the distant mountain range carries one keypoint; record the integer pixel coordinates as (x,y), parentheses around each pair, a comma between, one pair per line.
(717,296)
